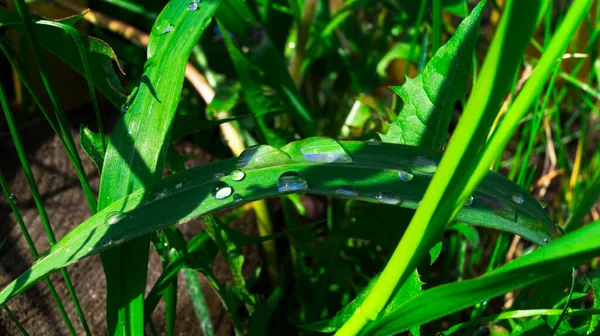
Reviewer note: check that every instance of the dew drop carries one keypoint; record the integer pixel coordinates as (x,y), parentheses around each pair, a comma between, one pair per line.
(323,150)
(518,198)
(193,6)
(219,176)
(345,191)
(373,143)
(155,195)
(125,107)
(546,240)
(405,175)
(221,191)
(169,28)
(291,181)
(90,249)
(543,204)
(425,164)
(469,201)
(14,198)
(262,156)
(237,198)
(388,198)
(178,186)
(114,218)
(484,302)
(237,175)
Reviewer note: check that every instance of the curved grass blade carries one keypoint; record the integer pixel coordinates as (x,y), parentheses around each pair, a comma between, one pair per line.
(100,55)
(136,154)
(552,259)
(447,193)
(429,98)
(316,165)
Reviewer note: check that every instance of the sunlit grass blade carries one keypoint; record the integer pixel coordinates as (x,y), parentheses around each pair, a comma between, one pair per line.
(136,155)
(552,259)
(352,170)
(441,201)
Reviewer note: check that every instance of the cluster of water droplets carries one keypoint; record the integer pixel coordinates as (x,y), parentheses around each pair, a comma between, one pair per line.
(222,190)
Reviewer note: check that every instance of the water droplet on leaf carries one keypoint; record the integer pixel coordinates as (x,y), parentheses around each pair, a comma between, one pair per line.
(114,218)
(405,175)
(169,28)
(219,176)
(178,186)
(237,198)
(193,6)
(469,201)
(388,198)
(237,175)
(14,198)
(373,143)
(221,191)
(324,150)
(425,165)
(125,107)
(346,191)
(291,181)
(262,156)
(518,198)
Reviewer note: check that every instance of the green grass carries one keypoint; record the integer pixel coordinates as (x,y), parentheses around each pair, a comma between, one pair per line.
(417,234)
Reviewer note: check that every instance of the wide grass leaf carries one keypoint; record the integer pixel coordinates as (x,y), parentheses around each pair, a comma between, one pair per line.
(138,147)
(316,165)
(554,258)
(428,99)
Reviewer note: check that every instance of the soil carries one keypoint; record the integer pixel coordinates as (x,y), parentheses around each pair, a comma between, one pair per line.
(66,208)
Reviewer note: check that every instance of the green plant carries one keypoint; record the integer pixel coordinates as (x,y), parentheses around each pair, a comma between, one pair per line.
(397,185)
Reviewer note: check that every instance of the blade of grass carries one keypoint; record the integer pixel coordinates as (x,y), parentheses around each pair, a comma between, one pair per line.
(136,154)
(42,211)
(34,251)
(552,259)
(446,196)
(370,175)
(200,308)
(15,320)
(237,17)
(520,314)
